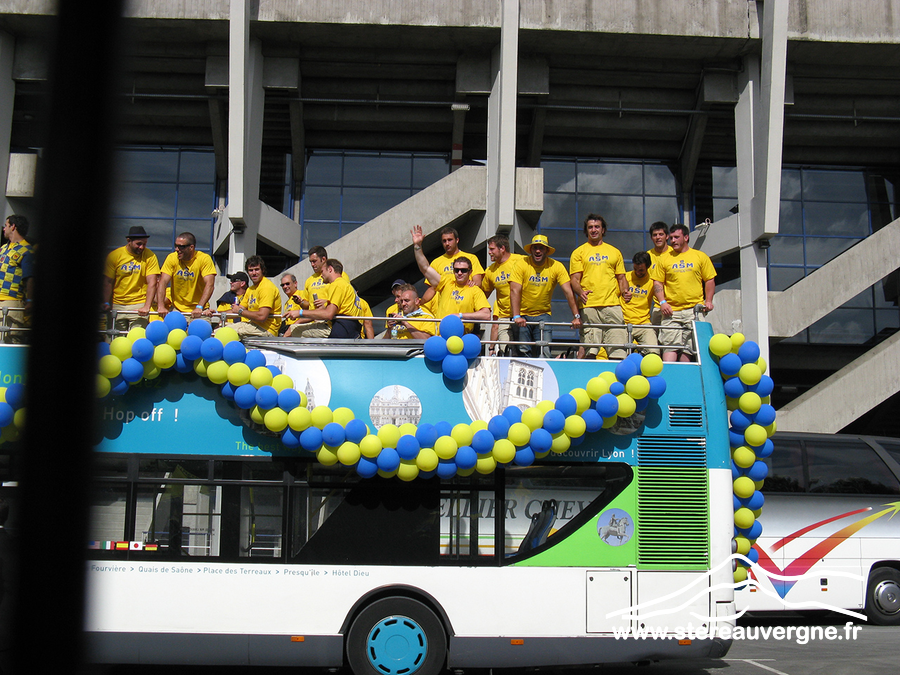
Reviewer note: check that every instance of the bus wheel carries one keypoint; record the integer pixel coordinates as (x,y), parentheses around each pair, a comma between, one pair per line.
(883,597)
(396,636)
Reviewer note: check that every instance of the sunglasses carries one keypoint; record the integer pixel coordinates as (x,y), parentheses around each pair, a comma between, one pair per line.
(460,270)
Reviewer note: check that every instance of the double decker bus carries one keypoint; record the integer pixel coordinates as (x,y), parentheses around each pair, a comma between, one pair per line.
(218,538)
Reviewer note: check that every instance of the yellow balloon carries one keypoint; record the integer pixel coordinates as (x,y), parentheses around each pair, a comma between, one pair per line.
(227,334)
(19,419)
(200,366)
(327,456)
(462,434)
(627,405)
(545,406)
(652,365)
(749,373)
(257,414)
(238,374)
(120,347)
(217,372)
(575,426)
(370,446)
(303,400)
(389,435)
(770,430)
(175,338)
(342,416)
(504,451)
(740,574)
(743,518)
(749,402)
(407,429)
(761,364)
(151,371)
(276,420)
(110,366)
(609,422)
(164,356)
(446,447)
(137,333)
(561,443)
(260,377)
(743,457)
(596,387)
(720,344)
(478,425)
(731,403)
(755,435)
(519,434)
(736,341)
(465,472)
(582,400)
(427,459)
(486,464)
(454,344)
(407,470)
(348,453)
(299,419)
(533,418)
(637,387)
(744,487)
(103,386)
(321,415)
(609,376)
(743,544)
(758,485)
(387,474)
(281,382)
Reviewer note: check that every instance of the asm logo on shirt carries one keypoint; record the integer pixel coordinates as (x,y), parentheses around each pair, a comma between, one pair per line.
(503,276)
(130,267)
(185,274)
(252,303)
(682,265)
(597,258)
(459,297)
(538,279)
(639,291)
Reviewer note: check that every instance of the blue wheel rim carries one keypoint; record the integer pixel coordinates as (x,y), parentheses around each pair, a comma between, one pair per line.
(396,645)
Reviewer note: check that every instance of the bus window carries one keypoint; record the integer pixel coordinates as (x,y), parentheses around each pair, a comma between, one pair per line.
(785,466)
(182,520)
(467,522)
(892,447)
(847,467)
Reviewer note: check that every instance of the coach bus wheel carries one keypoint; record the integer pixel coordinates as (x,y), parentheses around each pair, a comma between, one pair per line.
(883,597)
(396,636)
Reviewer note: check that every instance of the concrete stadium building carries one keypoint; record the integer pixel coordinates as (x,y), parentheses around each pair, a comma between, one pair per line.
(772,129)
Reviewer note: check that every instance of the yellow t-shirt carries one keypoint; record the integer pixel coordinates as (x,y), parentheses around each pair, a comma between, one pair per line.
(129,274)
(453,299)
(599,266)
(339,292)
(654,256)
(637,312)
(289,305)
(496,278)
(538,284)
(264,294)
(187,280)
(683,276)
(444,263)
(402,332)
(364,311)
(312,289)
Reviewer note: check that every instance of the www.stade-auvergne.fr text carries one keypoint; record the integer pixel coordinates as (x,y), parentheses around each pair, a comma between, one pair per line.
(799,634)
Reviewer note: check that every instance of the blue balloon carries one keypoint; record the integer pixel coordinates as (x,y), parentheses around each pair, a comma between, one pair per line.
(736,502)
(102,349)
(446,468)
(311,439)
(467,457)
(142,350)
(333,434)
(356,430)
(175,320)
(366,467)
(452,325)
(290,438)
(201,328)
(275,370)
(755,501)
(388,459)
(228,390)
(211,349)
(754,532)
(657,386)
(730,364)
(617,389)
(190,347)
(288,399)
(734,388)
(156,332)
(512,414)
(735,471)
(764,387)
(593,420)
(427,435)
(234,352)
(641,404)
(758,471)
(735,438)
(766,415)
(627,369)
(748,352)
(524,456)
(6,414)
(266,397)
(566,404)
(254,359)
(245,396)
(541,440)
(471,346)
(482,442)
(118,386)
(442,428)
(740,420)
(455,367)
(435,348)
(607,405)
(554,421)
(182,364)
(753,554)
(132,370)
(408,447)
(15,395)
(499,426)
(765,450)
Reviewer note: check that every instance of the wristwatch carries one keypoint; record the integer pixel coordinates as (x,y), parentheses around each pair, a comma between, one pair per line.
(240,311)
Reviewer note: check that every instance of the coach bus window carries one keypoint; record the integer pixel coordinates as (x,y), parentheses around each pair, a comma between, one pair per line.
(107,520)
(892,447)
(467,523)
(181,519)
(847,467)
(260,531)
(785,467)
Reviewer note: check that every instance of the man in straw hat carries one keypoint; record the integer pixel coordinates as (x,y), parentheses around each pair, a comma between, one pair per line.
(129,280)
(531,289)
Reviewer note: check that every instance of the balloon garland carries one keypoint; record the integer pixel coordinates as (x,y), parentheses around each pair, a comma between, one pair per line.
(752,424)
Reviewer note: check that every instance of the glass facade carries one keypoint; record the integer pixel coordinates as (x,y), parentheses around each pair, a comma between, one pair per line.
(344,190)
(167,191)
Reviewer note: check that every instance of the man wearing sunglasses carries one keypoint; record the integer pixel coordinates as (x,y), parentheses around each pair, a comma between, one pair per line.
(192,275)
(455,294)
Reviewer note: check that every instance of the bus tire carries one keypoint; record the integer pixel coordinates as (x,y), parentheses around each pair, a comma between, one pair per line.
(883,597)
(396,636)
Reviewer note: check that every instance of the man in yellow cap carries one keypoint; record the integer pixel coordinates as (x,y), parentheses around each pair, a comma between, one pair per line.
(531,290)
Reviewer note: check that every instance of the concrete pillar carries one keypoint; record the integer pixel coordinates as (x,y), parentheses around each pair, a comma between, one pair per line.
(501,133)
(7,102)
(246,101)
